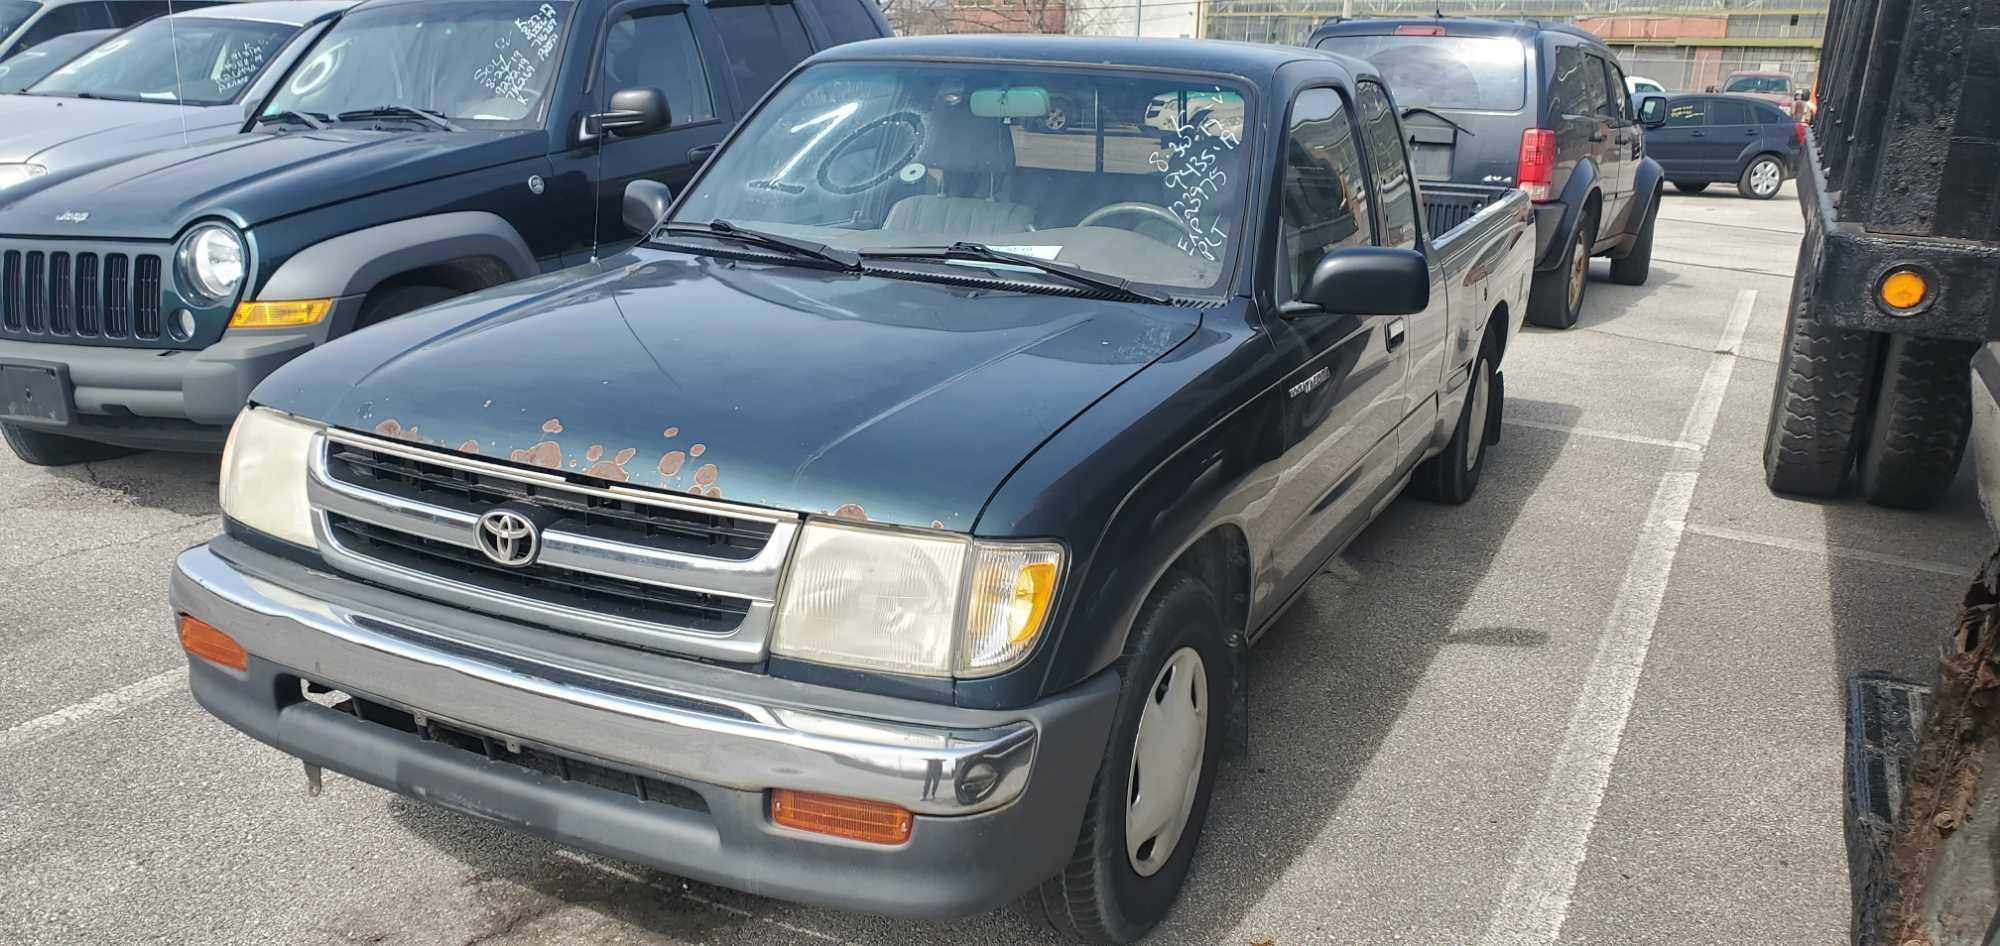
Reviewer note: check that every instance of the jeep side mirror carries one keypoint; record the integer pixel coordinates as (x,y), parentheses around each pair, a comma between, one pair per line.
(1653,111)
(1365,280)
(1711,90)
(646,202)
(1801,95)
(633,112)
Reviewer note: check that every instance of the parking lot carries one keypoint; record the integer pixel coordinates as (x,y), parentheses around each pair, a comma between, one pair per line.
(1599,704)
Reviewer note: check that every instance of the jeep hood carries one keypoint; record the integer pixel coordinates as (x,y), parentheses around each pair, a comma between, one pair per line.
(256,177)
(74,132)
(787,387)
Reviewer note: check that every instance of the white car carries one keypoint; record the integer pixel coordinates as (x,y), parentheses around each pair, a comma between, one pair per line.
(1637,84)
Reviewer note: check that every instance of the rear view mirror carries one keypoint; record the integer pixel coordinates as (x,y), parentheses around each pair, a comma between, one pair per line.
(1653,110)
(1019,102)
(1365,280)
(646,202)
(634,112)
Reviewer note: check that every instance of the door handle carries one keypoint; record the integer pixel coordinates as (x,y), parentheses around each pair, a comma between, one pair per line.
(1392,337)
(1752,132)
(700,153)
(1700,134)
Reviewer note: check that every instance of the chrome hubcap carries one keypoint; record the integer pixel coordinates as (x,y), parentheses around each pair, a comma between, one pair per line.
(1475,426)
(1764,177)
(1166,761)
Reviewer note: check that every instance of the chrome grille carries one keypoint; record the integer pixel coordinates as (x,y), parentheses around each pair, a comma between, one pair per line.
(643,569)
(79,295)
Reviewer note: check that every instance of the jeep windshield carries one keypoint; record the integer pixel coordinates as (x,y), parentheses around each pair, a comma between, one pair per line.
(13,13)
(184,60)
(1475,73)
(1129,175)
(476,64)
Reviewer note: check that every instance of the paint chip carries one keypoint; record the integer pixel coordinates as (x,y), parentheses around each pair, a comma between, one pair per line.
(470,446)
(697,450)
(552,426)
(547,455)
(852,512)
(671,432)
(670,465)
(705,475)
(595,453)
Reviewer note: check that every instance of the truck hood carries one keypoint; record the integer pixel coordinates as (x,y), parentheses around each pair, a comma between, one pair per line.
(855,395)
(36,125)
(255,177)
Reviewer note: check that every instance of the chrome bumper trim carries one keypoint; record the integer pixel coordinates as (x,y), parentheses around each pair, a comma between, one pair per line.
(756,746)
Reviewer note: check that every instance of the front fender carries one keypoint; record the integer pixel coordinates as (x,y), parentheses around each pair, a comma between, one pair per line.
(1646,188)
(353,263)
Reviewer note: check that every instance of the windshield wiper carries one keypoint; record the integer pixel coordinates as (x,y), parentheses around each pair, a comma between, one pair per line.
(980,252)
(844,259)
(1434,113)
(432,116)
(307,119)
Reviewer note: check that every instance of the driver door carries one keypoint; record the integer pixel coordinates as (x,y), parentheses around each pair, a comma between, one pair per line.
(666,46)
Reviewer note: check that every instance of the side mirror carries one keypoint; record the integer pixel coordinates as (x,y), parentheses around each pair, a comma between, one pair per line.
(633,112)
(1365,280)
(1653,111)
(1711,90)
(646,202)
(1801,95)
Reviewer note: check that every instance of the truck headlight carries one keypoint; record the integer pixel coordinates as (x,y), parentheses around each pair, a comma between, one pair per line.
(212,261)
(923,603)
(12,174)
(264,474)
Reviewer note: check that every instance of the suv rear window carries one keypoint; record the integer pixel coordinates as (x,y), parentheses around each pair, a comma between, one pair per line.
(1465,72)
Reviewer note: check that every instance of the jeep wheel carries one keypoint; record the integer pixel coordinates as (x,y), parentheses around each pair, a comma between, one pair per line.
(1555,298)
(41,448)
(1151,795)
(1917,428)
(1638,264)
(1687,187)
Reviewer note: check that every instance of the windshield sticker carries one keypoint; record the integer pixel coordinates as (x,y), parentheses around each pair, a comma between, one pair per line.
(511,74)
(540,31)
(1187,162)
(239,66)
(314,74)
(1040,252)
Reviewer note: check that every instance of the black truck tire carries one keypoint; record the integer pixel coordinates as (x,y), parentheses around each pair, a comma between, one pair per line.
(1917,428)
(1690,187)
(1100,896)
(389,302)
(1555,298)
(1638,264)
(1453,475)
(1825,379)
(41,448)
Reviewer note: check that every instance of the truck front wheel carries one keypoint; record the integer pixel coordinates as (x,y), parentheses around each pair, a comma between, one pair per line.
(1453,475)
(1151,794)
(1825,378)
(1917,430)
(40,448)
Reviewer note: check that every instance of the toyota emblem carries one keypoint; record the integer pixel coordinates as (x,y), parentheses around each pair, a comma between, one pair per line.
(509,538)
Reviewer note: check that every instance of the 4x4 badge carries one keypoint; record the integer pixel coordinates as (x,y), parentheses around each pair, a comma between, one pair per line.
(73,216)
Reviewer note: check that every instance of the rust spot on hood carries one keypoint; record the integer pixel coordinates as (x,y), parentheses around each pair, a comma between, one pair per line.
(705,476)
(394,429)
(670,465)
(470,446)
(612,469)
(697,449)
(671,432)
(547,455)
(552,426)
(852,512)
(595,453)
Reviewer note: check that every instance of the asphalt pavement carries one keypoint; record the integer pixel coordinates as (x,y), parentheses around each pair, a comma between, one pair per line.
(1599,704)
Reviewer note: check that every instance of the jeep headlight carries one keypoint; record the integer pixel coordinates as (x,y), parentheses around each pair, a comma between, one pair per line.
(264,474)
(12,174)
(212,260)
(906,601)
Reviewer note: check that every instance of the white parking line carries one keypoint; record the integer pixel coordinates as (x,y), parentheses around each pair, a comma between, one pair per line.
(1596,434)
(22,735)
(1536,901)
(1835,551)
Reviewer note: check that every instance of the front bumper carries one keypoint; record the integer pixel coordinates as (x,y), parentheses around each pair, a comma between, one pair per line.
(998,796)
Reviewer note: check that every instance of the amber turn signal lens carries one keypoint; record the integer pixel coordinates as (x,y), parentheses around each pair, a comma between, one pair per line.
(204,641)
(279,314)
(851,818)
(1903,289)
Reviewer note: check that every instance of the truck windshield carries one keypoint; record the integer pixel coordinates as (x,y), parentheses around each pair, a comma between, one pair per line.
(479,64)
(186,60)
(1468,72)
(1759,84)
(1132,175)
(13,13)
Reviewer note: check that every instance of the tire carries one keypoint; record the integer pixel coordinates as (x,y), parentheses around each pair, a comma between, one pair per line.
(1826,379)
(1917,429)
(1057,118)
(386,304)
(1555,299)
(1690,187)
(1453,475)
(40,448)
(1101,896)
(1762,178)
(1638,264)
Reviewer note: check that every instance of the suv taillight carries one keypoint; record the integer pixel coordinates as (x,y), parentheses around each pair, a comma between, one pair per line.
(1799,133)
(1537,171)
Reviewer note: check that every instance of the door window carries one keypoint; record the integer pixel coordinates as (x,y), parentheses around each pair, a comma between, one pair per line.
(66,19)
(129,12)
(1597,98)
(1614,81)
(764,41)
(654,47)
(1392,171)
(1324,200)
(1573,82)
(1687,113)
(848,20)
(1724,112)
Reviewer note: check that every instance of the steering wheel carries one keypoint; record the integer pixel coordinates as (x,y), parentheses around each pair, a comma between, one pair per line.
(853,144)
(1134,207)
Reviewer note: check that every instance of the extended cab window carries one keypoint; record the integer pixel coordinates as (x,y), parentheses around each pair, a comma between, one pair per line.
(763,40)
(1324,199)
(654,47)
(192,61)
(1387,160)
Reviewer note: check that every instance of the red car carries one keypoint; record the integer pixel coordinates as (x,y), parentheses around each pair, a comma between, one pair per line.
(1773,87)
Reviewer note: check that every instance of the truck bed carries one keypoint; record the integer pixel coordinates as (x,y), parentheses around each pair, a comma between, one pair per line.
(1454,212)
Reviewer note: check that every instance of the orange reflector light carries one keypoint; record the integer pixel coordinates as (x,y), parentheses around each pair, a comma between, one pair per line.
(851,818)
(204,641)
(1903,289)
(279,314)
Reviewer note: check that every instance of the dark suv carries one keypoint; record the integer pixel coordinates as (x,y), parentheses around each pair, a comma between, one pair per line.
(393,167)
(1538,105)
